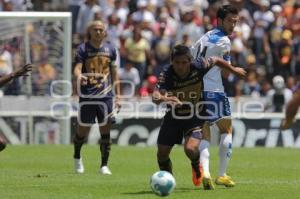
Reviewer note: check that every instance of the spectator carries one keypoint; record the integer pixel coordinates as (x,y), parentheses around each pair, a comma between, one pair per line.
(161,46)
(129,80)
(114,29)
(250,87)
(74,7)
(187,29)
(285,54)
(294,26)
(43,76)
(147,89)
(279,96)
(263,18)
(121,10)
(142,13)
(6,66)
(138,50)
(291,83)
(87,13)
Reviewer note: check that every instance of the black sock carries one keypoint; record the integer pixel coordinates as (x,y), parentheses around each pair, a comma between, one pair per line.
(195,166)
(78,142)
(105,149)
(165,165)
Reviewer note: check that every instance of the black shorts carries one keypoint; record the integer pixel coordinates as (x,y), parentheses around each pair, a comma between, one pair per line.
(90,109)
(172,131)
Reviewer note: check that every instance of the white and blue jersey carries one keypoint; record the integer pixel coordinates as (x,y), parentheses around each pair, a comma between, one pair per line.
(214,43)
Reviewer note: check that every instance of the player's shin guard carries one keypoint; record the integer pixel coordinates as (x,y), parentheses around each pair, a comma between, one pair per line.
(78,142)
(225,151)
(105,146)
(165,165)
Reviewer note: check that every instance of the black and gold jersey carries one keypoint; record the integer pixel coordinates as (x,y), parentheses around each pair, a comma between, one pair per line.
(189,89)
(97,64)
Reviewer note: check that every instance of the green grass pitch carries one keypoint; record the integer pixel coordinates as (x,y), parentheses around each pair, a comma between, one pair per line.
(46,171)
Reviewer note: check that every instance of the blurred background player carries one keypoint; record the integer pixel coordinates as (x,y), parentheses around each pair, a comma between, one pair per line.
(180,87)
(291,110)
(23,71)
(279,96)
(97,75)
(217,43)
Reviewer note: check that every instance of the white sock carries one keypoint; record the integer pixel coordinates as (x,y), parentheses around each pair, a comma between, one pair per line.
(204,157)
(225,151)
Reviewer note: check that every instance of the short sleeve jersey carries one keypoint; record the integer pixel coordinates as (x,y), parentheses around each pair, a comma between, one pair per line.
(213,43)
(189,89)
(97,64)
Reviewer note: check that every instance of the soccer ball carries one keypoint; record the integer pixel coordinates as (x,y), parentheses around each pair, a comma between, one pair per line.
(162,183)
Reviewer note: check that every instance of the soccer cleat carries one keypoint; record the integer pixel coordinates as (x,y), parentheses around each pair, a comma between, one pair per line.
(78,165)
(225,180)
(105,170)
(208,183)
(197,175)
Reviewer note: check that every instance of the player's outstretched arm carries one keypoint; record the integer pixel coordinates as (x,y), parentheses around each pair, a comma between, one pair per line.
(23,71)
(225,65)
(291,111)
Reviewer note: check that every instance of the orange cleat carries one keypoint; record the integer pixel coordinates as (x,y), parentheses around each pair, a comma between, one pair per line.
(197,176)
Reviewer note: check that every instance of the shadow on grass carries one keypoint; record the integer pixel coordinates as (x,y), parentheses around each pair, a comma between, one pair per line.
(138,193)
(177,190)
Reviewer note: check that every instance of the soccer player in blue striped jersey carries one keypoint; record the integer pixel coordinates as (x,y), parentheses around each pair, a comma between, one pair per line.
(217,43)
(97,77)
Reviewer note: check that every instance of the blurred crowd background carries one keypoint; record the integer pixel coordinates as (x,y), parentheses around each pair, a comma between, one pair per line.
(266,42)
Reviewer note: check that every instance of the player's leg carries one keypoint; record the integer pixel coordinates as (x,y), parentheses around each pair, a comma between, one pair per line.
(86,119)
(169,134)
(191,144)
(78,141)
(105,119)
(204,157)
(163,157)
(225,151)
(105,146)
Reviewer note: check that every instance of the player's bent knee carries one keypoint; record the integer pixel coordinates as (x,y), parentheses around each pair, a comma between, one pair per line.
(225,125)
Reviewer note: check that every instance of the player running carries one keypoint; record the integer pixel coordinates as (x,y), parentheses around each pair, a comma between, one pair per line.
(217,43)
(180,86)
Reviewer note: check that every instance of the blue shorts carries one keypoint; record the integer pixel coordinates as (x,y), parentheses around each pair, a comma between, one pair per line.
(90,109)
(217,106)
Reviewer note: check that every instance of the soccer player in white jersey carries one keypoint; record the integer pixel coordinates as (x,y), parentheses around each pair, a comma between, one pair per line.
(217,43)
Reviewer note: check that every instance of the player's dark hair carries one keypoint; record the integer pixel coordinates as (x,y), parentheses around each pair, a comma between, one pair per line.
(225,10)
(179,50)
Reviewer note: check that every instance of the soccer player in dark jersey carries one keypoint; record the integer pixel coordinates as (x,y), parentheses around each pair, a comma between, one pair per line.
(97,76)
(180,86)
(23,71)
(291,110)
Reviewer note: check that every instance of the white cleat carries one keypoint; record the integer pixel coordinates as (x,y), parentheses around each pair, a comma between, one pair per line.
(78,166)
(105,170)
